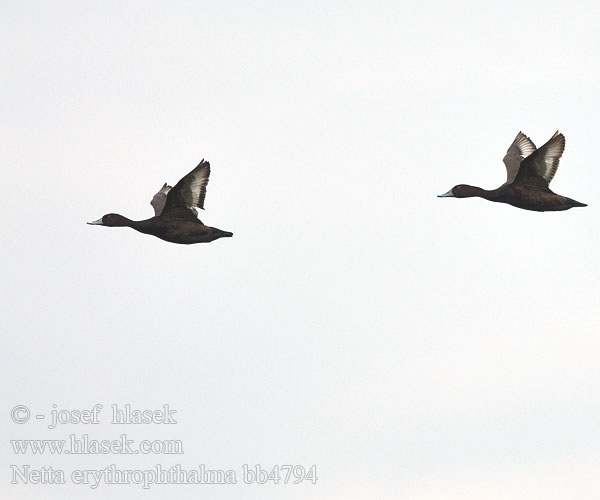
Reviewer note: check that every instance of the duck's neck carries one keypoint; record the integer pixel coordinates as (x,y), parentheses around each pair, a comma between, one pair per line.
(147,226)
(491,195)
(138,225)
(117,220)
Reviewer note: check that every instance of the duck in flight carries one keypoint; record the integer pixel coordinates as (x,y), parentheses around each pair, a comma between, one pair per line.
(176,219)
(529,172)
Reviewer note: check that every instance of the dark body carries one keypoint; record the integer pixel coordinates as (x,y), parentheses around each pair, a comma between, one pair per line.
(176,219)
(183,231)
(529,172)
(526,197)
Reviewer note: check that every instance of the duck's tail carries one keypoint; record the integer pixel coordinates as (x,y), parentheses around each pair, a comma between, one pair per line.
(576,203)
(219,233)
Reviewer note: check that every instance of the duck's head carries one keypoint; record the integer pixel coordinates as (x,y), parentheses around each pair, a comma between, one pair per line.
(111,220)
(460,191)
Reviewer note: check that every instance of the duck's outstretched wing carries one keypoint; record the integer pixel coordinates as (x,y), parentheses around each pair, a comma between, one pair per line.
(159,199)
(188,193)
(521,148)
(539,168)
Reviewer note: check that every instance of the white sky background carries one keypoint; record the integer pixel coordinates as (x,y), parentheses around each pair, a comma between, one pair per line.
(409,346)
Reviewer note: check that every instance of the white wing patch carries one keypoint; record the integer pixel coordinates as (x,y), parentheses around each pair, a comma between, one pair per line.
(550,155)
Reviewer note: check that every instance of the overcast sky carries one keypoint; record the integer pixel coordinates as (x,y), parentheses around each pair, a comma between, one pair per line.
(408,346)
